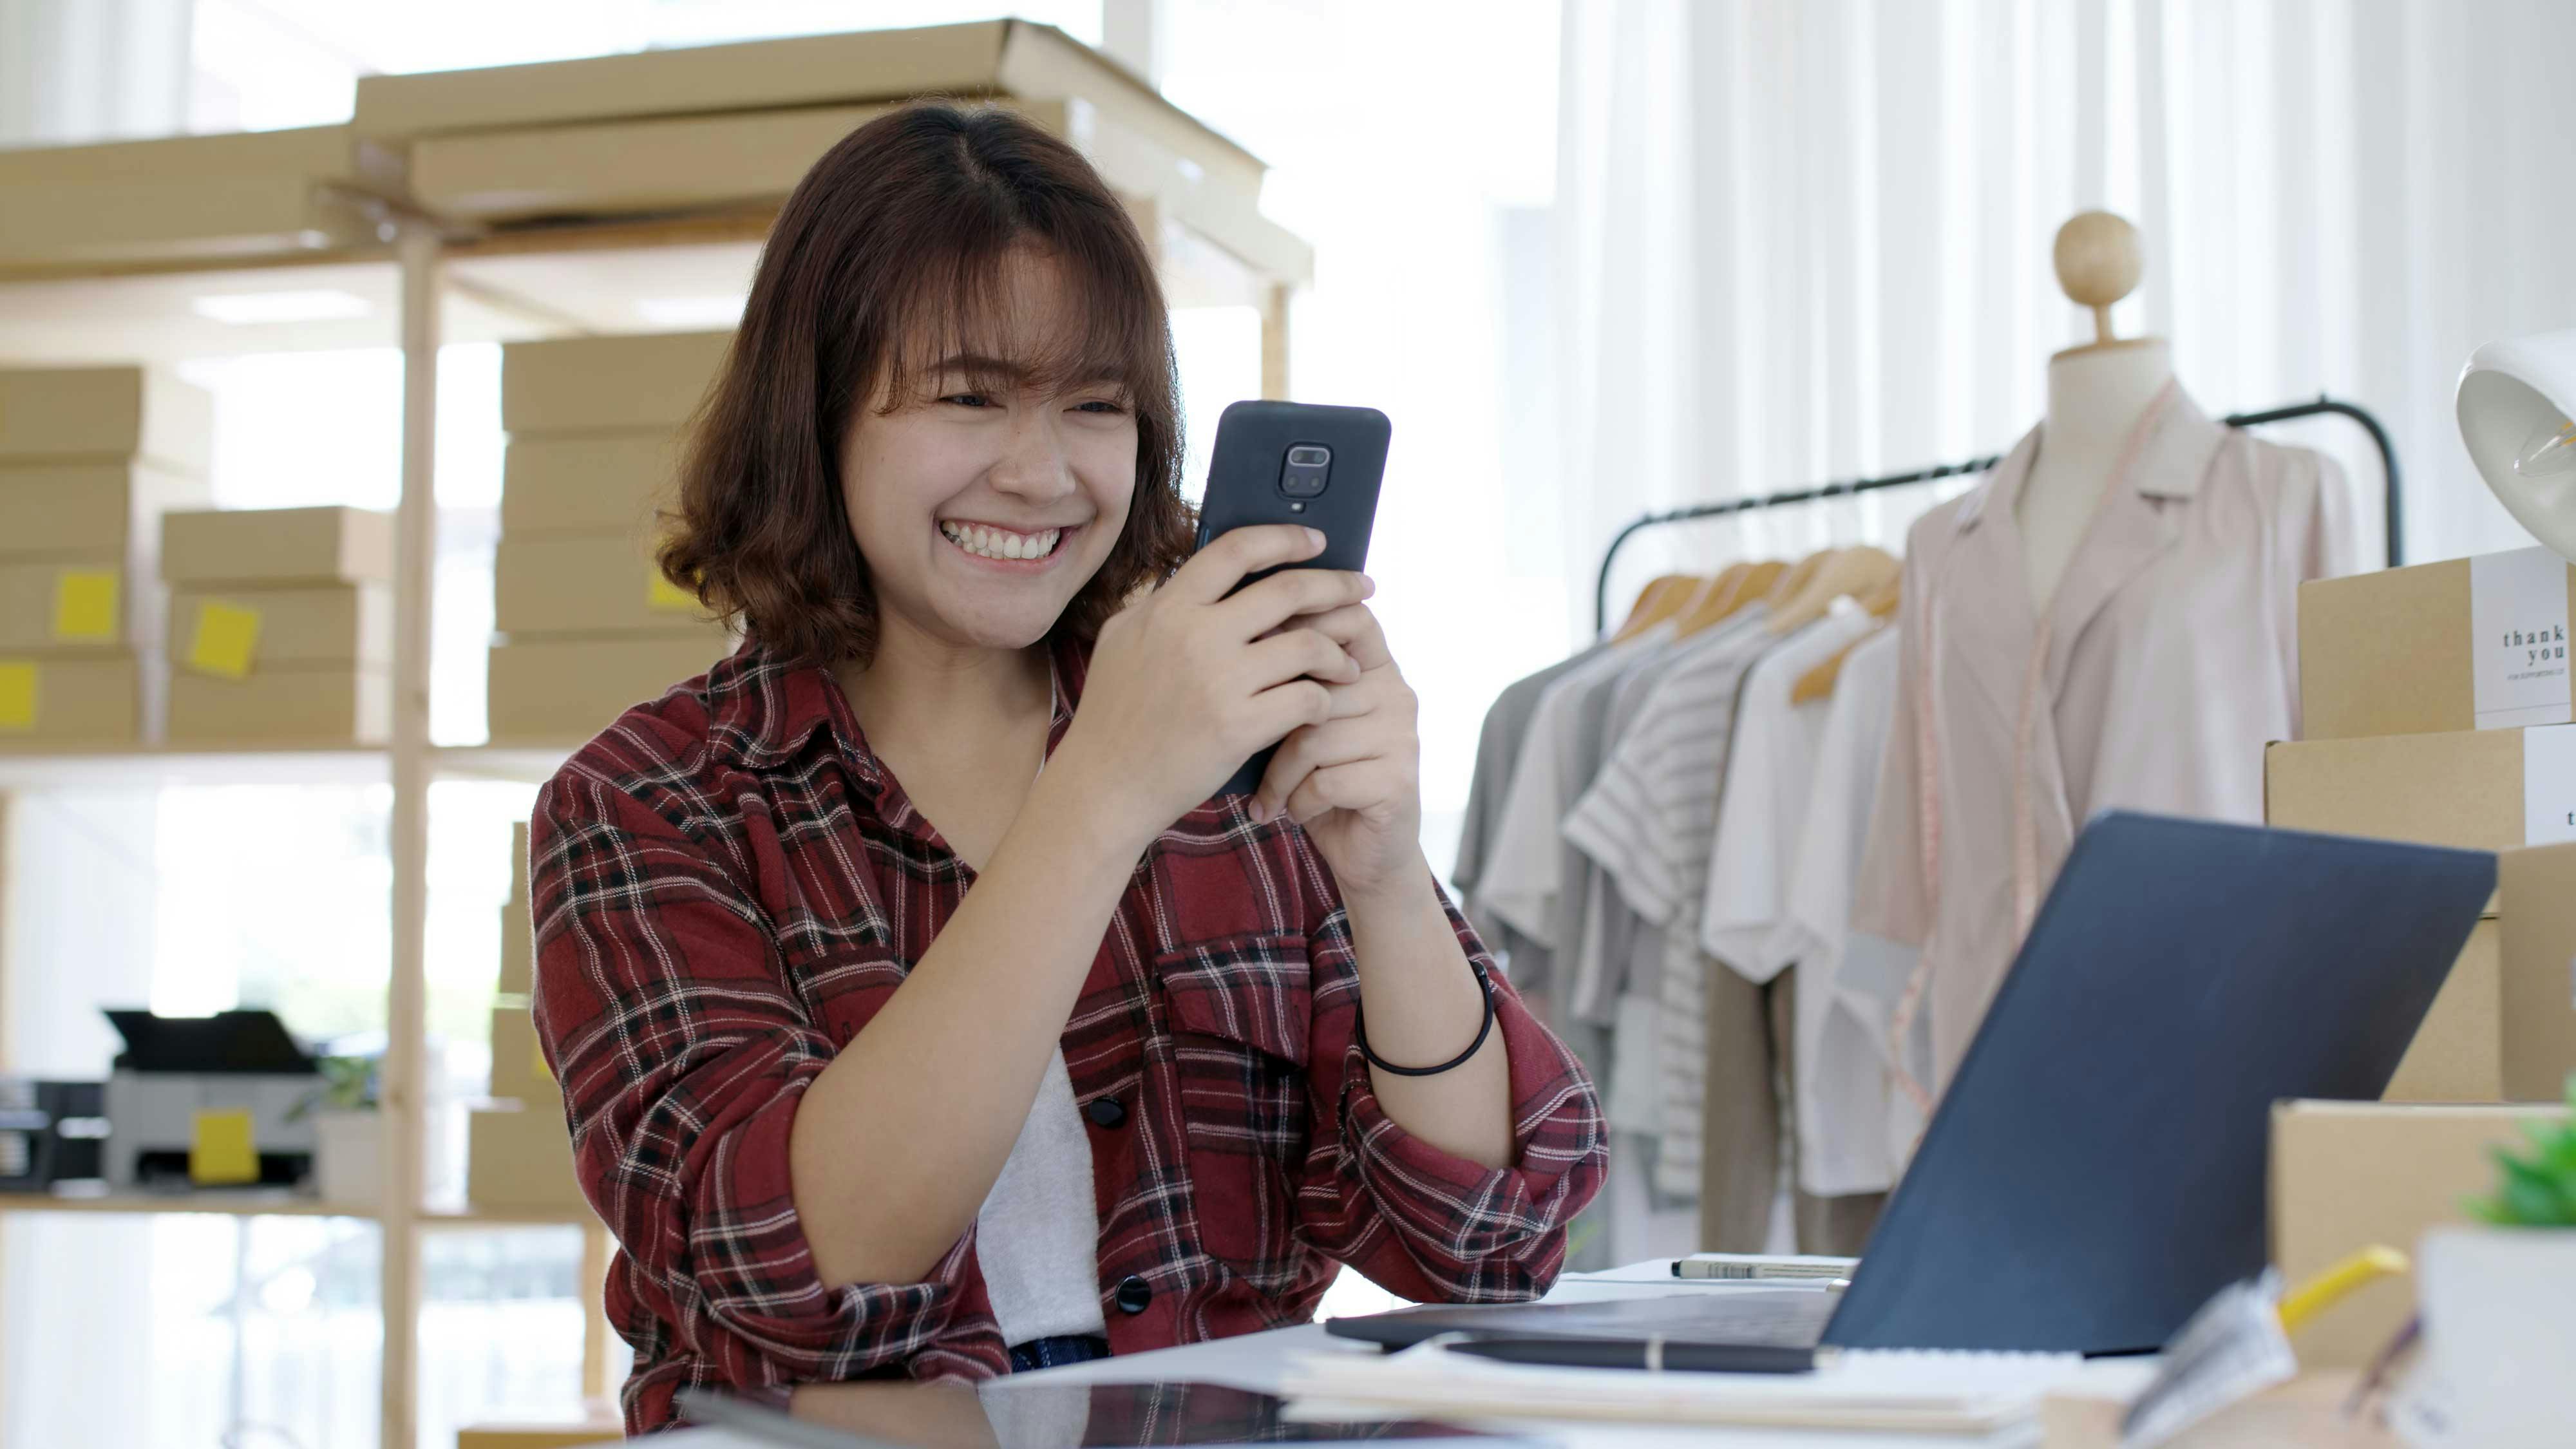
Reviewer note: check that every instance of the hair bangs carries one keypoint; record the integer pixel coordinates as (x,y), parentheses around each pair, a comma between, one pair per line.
(1026,310)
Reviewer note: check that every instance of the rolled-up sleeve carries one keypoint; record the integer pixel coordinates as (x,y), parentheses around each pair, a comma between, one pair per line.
(1419,1221)
(662,1005)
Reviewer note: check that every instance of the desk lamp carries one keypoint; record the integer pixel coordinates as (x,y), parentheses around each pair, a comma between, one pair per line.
(2517,410)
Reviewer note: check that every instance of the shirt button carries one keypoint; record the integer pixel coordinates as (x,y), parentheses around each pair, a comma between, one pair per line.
(1106,1112)
(1134,1294)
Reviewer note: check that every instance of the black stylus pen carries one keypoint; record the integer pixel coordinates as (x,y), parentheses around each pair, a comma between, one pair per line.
(1656,1354)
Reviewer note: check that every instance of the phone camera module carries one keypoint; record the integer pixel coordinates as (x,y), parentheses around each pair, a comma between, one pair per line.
(1305,471)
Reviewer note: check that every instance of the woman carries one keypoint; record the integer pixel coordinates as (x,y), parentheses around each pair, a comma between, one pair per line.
(916,1010)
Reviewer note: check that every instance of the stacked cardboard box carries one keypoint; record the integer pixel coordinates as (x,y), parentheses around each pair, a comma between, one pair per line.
(518,1152)
(2436,709)
(246,194)
(89,457)
(588,624)
(2351,1175)
(281,625)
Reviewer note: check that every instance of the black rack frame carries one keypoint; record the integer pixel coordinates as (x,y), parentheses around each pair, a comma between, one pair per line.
(2394,501)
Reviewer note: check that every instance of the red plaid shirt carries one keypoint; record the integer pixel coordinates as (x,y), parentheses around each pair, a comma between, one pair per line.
(728,886)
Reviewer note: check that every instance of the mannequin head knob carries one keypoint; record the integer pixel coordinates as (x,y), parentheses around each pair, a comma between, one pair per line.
(2099,259)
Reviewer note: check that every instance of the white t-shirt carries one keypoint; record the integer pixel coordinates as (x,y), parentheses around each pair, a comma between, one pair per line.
(1523,870)
(1770,766)
(1647,821)
(1842,1087)
(1037,1235)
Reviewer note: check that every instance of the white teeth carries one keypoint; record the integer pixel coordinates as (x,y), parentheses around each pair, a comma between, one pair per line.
(995,544)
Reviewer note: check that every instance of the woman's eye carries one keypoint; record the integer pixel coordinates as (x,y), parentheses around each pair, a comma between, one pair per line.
(1100,407)
(968,399)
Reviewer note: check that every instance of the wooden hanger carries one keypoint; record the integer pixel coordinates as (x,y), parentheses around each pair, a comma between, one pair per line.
(1819,682)
(1661,598)
(1717,606)
(1837,572)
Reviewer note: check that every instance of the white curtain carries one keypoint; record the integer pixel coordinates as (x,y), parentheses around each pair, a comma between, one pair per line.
(1809,239)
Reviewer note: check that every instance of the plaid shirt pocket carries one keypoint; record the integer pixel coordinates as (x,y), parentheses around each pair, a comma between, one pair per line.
(1241,1013)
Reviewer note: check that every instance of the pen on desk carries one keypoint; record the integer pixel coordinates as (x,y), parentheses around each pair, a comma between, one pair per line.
(1654,1355)
(1739,1271)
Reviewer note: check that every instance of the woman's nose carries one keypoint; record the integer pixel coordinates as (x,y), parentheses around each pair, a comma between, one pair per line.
(1033,464)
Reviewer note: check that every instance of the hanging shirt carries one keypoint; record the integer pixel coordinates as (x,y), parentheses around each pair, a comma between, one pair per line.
(1609,928)
(1762,808)
(1498,747)
(1521,870)
(2165,661)
(1647,821)
(1842,1091)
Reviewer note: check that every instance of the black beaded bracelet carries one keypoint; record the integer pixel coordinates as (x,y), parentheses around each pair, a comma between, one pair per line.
(1359,1032)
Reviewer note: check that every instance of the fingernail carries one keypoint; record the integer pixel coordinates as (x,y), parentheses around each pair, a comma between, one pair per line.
(1315,536)
(1367,585)
(1257,810)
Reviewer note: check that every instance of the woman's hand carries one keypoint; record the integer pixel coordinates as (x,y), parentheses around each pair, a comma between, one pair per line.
(1354,781)
(1186,683)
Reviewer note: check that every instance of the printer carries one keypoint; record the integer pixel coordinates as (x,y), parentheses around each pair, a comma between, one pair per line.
(50,1132)
(174,1067)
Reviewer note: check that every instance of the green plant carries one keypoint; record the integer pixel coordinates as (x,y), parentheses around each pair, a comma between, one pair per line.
(2537,1190)
(348,1085)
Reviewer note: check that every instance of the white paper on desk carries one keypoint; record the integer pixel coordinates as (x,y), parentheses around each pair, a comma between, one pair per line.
(1906,1392)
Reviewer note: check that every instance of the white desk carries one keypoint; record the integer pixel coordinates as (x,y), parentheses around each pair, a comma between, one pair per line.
(1257,1361)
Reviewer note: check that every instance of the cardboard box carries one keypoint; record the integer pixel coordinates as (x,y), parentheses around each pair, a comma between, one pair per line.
(278,546)
(587,482)
(519,1155)
(77,607)
(323,706)
(84,700)
(519,877)
(214,217)
(595,1421)
(99,509)
(663,163)
(576,583)
(2493,790)
(350,626)
(2538,987)
(591,384)
(518,949)
(105,414)
(2467,790)
(2458,1052)
(519,1069)
(2467,643)
(2346,1175)
(565,690)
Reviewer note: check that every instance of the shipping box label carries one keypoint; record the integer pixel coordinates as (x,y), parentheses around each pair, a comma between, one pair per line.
(2518,613)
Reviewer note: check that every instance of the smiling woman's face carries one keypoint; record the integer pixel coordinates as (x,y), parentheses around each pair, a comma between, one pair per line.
(989,492)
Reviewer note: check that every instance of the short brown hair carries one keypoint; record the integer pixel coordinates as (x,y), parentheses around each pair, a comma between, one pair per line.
(890,247)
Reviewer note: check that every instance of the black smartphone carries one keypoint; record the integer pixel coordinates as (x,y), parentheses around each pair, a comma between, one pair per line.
(1283,462)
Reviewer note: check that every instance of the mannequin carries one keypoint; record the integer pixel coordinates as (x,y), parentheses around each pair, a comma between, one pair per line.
(2097,393)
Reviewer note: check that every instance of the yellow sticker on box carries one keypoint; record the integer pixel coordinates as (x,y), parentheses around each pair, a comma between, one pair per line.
(85,605)
(17,694)
(221,1148)
(661,593)
(225,640)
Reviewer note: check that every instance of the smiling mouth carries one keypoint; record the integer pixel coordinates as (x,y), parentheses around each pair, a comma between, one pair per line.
(1000,544)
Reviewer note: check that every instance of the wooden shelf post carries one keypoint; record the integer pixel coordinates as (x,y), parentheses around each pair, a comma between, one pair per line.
(405,1099)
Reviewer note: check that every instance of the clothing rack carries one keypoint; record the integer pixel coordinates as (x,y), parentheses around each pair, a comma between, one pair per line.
(1854,487)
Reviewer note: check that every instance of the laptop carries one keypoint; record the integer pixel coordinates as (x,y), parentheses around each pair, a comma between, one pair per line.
(2096,1170)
